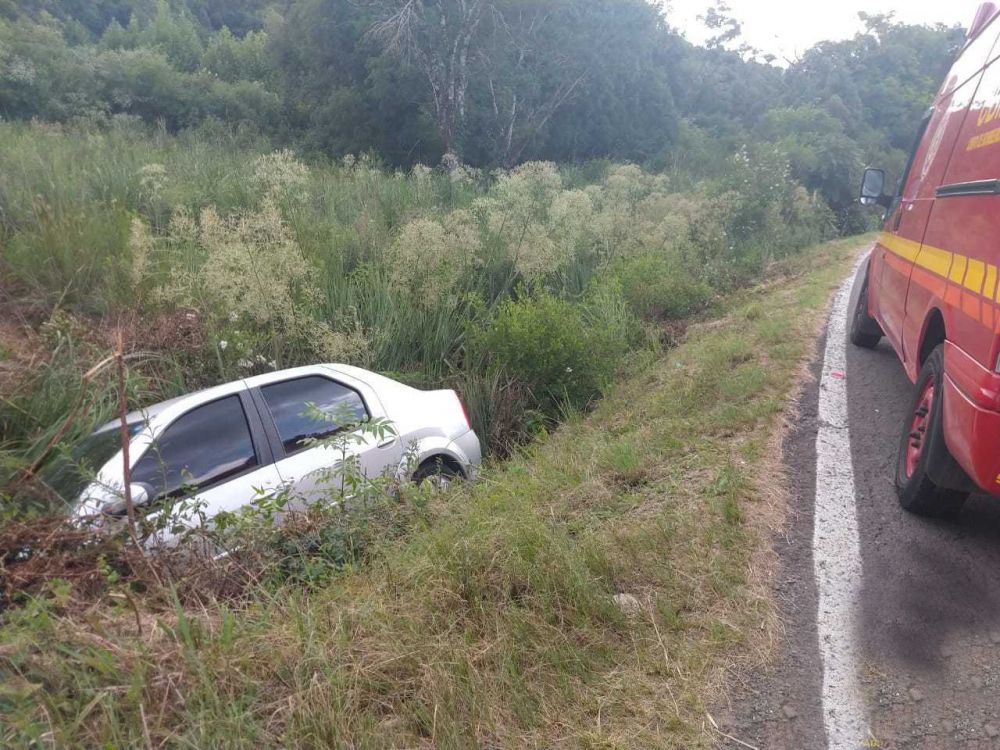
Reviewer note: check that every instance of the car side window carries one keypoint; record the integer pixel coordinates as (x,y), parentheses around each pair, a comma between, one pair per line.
(904,178)
(206,446)
(290,405)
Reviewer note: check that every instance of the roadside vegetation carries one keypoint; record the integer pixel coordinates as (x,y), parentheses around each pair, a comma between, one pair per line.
(526,290)
(603,237)
(486,615)
(489,83)
(229,187)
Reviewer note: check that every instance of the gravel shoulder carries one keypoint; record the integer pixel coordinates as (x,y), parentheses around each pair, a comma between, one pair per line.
(928,622)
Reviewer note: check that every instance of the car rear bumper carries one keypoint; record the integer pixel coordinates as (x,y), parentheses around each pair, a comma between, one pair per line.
(972,430)
(470,453)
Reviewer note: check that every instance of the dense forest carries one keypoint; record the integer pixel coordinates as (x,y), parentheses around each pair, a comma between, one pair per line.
(486,83)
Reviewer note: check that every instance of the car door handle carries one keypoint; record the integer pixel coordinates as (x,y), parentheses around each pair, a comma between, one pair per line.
(386,443)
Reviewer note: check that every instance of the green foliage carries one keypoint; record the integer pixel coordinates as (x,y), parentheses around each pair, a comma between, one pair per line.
(564,355)
(280,262)
(149,180)
(233,59)
(69,397)
(153,70)
(557,81)
(495,608)
(657,287)
(80,257)
(174,35)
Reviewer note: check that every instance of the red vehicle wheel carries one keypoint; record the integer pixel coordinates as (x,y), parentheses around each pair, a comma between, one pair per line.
(922,444)
(918,427)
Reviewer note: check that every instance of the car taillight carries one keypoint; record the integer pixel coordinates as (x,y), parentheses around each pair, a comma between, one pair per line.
(465,412)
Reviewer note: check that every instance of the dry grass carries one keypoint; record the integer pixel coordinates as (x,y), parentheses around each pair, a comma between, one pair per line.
(21,350)
(492,625)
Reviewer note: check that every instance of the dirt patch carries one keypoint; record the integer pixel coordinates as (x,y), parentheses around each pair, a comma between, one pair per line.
(25,349)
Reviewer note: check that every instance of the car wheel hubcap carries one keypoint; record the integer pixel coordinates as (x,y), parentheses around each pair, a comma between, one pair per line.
(918,427)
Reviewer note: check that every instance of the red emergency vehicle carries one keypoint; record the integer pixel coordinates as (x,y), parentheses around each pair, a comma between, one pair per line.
(931,284)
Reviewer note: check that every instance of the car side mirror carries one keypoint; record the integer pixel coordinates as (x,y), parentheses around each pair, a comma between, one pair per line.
(141,495)
(873,189)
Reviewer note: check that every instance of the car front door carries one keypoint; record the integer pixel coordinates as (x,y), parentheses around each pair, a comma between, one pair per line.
(314,470)
(899,245)
(212,459)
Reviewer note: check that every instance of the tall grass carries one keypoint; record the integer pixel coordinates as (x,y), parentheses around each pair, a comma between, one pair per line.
(492,621)
(285,263)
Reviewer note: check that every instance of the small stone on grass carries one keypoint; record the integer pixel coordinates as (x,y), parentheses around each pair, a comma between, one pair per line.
(628,604)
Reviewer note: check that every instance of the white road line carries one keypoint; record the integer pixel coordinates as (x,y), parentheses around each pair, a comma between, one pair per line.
(836,550)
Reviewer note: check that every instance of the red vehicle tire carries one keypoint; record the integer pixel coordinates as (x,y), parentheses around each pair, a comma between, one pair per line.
(922,446)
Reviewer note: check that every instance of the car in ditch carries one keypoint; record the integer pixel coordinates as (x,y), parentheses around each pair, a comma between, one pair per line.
(220,449)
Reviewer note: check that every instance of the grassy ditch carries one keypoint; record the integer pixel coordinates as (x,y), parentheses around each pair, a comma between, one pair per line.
(217,258)
(492,622)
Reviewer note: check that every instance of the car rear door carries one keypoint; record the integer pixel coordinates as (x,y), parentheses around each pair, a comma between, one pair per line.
(213,458)
(290,410)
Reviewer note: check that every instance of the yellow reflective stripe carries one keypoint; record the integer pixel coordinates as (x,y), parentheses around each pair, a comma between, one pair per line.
(901,246)
(958,268)
(974,275)
(936,260)
(991,281)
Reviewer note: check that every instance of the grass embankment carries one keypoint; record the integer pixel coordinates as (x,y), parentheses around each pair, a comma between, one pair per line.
(494,625)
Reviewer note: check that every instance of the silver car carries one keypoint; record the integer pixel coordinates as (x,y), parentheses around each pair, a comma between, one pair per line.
(221,448)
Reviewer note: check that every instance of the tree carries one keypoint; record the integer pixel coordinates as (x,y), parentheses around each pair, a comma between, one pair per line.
(624,105)
(528,73)
(437,38)
(821,156)
(490,82)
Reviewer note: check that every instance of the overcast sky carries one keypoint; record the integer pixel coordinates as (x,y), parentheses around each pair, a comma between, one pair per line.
(788,27)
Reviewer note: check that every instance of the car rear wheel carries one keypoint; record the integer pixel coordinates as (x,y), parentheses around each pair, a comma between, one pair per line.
(436,473)
(922,445)
(865,330)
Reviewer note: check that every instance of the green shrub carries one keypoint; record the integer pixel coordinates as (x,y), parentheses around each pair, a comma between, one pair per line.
(500,408)
(657,287)
(564,355)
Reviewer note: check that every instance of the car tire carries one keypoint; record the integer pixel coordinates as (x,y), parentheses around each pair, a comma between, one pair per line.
(922,444)
(436,471)
(865,330)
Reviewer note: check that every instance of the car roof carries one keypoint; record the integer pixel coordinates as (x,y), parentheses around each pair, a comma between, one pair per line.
(150,413)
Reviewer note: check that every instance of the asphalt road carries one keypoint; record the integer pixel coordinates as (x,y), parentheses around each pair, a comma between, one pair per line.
(926,617)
